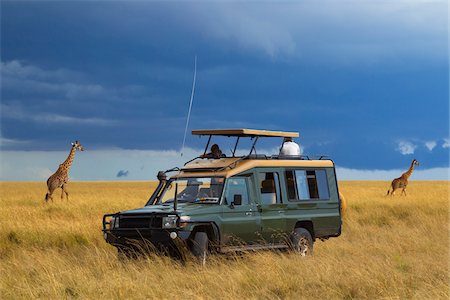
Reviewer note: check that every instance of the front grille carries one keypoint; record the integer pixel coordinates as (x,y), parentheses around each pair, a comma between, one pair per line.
(156,222)
(140,221)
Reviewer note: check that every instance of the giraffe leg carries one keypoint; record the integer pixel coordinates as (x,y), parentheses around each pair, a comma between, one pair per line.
(404,191)
(52,185)
(64,191)
(392,188)
(49,196)
(393,192)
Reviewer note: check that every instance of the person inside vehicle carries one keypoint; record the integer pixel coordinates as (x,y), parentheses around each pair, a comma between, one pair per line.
(215,152)
(191,189)
(212,192)
(289,148)
(216,186)
(215,189)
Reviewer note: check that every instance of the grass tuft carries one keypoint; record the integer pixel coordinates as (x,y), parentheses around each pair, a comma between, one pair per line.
(401,264)
(71,292)
(13,238)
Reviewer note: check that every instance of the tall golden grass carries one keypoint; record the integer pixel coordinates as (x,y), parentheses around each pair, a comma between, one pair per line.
(390,248)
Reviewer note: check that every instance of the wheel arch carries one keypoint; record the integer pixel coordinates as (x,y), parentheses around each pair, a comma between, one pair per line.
(211,229)
(308,225)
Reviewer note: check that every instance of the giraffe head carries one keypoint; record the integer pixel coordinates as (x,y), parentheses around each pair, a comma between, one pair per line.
(415,162)
(77,146)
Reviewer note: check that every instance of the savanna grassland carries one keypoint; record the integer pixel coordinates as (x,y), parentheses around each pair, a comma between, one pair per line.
(390,248)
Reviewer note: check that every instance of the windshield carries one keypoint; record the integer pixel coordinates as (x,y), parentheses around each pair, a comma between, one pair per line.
(194,190)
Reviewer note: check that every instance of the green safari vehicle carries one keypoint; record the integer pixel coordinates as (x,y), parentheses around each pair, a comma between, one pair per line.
(217,204)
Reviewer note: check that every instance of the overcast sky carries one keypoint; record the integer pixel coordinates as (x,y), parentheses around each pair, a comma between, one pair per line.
(365,82)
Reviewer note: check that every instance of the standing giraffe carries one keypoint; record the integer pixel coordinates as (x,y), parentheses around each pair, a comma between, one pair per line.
(61,176)
(402,181)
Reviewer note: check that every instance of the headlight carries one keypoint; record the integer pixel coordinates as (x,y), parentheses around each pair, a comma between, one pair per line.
(170,221)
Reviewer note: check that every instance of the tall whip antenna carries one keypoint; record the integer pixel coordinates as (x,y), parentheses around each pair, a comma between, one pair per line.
(190,105)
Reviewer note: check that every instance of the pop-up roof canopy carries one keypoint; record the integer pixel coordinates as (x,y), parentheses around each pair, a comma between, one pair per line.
(245,133)
(249,133)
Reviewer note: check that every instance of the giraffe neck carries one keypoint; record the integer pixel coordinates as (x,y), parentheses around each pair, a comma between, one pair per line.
(409,172)
(68,162)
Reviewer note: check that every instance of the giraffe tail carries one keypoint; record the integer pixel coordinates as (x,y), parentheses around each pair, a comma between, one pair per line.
(389,190)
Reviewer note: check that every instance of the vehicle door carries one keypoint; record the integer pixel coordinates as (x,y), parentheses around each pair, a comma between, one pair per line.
(271,207)
(241,221)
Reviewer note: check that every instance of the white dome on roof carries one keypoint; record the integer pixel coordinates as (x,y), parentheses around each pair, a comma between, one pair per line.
(290,148)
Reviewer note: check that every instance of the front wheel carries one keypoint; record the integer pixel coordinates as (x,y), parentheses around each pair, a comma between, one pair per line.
(200,247)
(302,242)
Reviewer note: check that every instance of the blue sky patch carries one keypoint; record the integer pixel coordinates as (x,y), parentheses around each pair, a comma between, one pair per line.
(365,82)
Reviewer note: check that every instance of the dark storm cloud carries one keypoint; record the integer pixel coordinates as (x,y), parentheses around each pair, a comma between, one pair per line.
(355,78)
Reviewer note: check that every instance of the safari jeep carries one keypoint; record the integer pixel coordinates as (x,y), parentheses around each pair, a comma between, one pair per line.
(235,203)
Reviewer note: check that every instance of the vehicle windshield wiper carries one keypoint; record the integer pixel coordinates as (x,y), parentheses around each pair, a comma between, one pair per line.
(178,200)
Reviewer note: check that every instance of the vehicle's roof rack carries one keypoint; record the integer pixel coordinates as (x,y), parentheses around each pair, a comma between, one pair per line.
(243,132)
(274,157)
(301,157)
(223,163)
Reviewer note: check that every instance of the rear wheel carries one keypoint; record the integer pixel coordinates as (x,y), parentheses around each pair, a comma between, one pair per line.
(200,247)
(302,242)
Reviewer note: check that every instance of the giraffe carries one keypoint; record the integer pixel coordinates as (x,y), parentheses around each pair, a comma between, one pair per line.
(61,176)
(402,181)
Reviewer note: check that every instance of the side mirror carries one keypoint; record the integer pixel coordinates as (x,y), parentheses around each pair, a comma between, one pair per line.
(237,200)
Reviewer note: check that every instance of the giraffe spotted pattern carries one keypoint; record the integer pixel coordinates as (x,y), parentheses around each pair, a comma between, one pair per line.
(402,181)
(60,178)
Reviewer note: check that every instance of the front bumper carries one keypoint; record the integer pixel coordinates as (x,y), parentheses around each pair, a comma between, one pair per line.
(157,237)
(149,231)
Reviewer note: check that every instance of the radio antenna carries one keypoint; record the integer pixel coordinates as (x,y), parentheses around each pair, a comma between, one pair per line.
(190,105)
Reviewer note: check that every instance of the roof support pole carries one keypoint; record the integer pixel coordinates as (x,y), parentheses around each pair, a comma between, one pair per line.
(253,146)
(207,144)
(175,200)
(281,148)
(235,146)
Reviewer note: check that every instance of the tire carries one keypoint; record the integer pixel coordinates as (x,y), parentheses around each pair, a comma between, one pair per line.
(302,242)
(200,247)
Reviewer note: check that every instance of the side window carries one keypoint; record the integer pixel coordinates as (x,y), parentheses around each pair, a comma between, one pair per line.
(322,184)
(236,186)
(302,184)
(269,184)
(169,193)
(312,184)
(291,185)
(307,185)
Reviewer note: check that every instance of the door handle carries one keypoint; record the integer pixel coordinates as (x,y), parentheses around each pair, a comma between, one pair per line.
(281,211)
(259,207)
(249,213)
